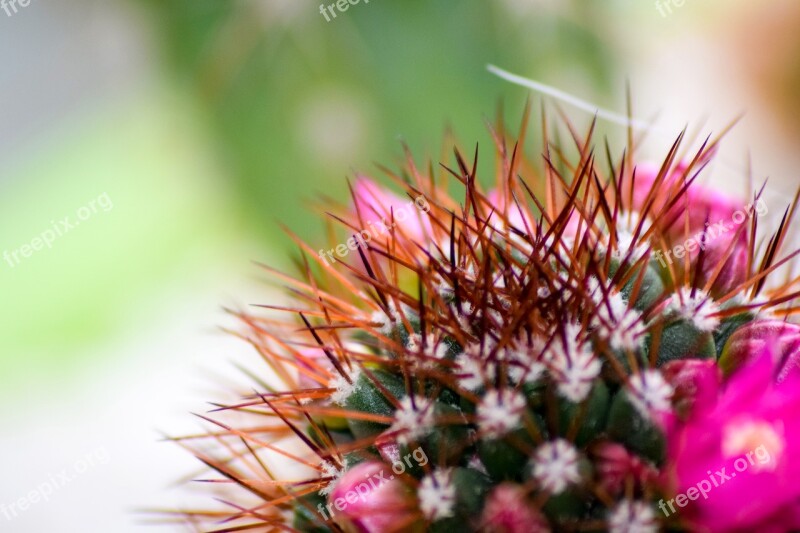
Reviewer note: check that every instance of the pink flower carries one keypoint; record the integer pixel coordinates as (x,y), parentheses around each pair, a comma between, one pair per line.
(734,464)
(508,510)
(369,498)
(753,337)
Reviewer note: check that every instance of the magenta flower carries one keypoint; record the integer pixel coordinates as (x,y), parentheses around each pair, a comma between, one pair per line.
(369,498)
(732,463)
(754,337)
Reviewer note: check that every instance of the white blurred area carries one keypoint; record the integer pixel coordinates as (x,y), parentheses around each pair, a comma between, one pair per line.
(169,364)
(60,59)
(708,63)
(57,59)
(59,63)
(701,65)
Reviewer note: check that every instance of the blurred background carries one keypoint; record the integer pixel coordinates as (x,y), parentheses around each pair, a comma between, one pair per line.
(151,149)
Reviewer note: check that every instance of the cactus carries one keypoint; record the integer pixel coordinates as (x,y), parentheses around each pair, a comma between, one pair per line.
(495,360)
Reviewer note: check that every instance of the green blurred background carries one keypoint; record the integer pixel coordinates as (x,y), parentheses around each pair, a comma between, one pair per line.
(242,113)
(208,123)
(295,102)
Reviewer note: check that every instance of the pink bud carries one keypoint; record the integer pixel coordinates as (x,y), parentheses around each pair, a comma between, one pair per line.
(369,498)
(516,219)
(643,188)
(314,363)
(698,202)
(646,174)
(734,271)
(708,205)
(508,510)
(379,209)
(615,465)
(388,447)
(752,338)
(695,381)
(314,371)
(522,221)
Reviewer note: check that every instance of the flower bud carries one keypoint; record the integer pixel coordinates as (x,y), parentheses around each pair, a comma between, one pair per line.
(379,209)
(704,204)
(750,340)
(508,510)
(699,203)
(615,464)
(388,447)
(313,363)
(695,381)
(734,271)
(370,499)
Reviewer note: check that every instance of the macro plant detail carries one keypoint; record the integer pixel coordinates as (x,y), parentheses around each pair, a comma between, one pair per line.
(516,358)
